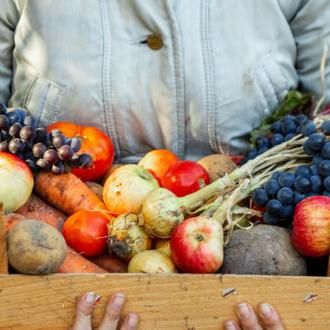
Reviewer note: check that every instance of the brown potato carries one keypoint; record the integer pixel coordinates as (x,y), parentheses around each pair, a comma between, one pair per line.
(35,248)
(217,165)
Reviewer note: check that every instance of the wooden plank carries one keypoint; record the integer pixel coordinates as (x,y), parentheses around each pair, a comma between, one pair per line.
(3,245)
(179,301)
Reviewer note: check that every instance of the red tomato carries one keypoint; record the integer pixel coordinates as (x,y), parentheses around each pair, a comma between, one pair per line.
(158,161)
(185,177)
(87,232)
(93,142)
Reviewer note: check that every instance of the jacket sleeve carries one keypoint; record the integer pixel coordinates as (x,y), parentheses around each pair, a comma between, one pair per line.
(310,25)
(8,19)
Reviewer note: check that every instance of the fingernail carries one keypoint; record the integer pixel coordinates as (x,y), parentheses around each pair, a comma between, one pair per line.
(119,300)
(133,320)
(90,297)
(243,311)
(229,325)
(266,310)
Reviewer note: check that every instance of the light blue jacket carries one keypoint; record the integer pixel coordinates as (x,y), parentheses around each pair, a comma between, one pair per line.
(224,65)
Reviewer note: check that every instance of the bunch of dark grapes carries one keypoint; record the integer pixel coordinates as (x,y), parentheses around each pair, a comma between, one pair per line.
(282,130)
(40,150)
(284,190)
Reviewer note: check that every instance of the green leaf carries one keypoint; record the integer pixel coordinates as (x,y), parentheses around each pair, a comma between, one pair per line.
(294,101)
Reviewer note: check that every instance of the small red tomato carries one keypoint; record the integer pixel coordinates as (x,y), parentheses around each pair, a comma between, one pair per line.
(87,232)
(184,177)
(93,142)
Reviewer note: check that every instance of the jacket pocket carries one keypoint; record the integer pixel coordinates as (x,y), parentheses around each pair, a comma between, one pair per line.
(42,99)
(270,82)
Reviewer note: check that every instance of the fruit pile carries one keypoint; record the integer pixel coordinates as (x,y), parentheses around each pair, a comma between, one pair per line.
(39,149)
(166,214)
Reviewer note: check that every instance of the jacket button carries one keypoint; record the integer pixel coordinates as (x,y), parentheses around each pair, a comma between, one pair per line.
(154,41)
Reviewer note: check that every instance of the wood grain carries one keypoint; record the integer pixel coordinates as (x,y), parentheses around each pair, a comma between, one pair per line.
(178,301)
(3,245)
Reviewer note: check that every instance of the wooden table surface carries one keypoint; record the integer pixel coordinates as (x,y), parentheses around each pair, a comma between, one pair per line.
(178,301)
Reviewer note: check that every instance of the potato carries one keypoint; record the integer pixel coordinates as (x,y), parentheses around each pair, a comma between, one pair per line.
(35,248)
(262,250)
(217,165)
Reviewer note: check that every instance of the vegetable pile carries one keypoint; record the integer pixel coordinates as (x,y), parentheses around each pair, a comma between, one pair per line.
(76,211)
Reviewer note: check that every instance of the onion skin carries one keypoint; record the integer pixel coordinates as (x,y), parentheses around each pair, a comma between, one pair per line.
(162,212)
(163,246)
(152,262)
(126,188)
(126,237)
(311,226)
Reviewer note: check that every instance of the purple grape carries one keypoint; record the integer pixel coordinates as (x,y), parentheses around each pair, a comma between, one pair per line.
(75,144)
(41,135)
(85,160)
(38,150)
(58,168)
(65,153)
(50,156)
(27,133)
(14,129)
(32,164)
(4,146)
(58,141)
(41,163)
(4,122)
(270,219)
(4,135)
(16,146)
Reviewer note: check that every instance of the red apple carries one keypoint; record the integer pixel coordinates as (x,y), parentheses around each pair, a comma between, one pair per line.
(311,226)
(16,182)
(197,245)
(126,188)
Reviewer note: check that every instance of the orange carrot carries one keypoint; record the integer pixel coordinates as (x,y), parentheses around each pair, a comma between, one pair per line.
(35,208)
(76,263)
(110,263)
(67,193)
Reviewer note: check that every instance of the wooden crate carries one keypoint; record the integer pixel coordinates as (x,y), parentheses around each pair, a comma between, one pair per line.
(178,301)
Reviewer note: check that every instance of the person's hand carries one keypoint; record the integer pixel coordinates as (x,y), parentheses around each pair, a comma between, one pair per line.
(270,319)
(111,315)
